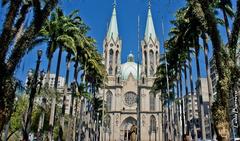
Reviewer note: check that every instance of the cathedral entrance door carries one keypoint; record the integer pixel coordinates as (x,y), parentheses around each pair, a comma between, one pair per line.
(125,128)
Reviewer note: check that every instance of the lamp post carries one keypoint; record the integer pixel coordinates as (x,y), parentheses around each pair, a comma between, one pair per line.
(32,85)
(97,126)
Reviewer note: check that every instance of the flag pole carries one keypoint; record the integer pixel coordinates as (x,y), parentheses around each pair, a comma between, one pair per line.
(138,89)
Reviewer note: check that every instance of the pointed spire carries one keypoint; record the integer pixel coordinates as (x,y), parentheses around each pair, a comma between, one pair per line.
(113,27)
(149,31)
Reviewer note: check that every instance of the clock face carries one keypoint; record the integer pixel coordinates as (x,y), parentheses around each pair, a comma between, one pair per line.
(151,45)
(130,98)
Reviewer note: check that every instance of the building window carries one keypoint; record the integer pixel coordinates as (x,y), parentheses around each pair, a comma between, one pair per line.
(151,70)
(152,124)
(156,58)
(152,102)
(110,56)
(116,59)
(109,100)
(151,55)
(145,58)
(110,70)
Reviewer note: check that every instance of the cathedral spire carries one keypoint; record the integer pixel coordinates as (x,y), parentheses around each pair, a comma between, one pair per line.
(113,27)
(149,31)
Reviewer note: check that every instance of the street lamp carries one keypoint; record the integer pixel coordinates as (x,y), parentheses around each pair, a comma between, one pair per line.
(32,85)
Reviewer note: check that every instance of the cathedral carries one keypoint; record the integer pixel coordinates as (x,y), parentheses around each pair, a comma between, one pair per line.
(129,81)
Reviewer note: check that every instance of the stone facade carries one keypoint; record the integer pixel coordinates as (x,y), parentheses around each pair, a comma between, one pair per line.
(129,81)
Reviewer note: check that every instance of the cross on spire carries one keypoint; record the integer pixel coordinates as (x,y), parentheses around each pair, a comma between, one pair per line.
(149,4)
(114,3)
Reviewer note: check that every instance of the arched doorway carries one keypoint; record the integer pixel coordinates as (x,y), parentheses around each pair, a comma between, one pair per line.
(125,128)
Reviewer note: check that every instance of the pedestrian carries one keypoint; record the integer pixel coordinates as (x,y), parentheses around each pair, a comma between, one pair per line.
(186,137)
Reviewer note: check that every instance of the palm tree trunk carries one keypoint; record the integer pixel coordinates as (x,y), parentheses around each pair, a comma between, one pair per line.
(82,103)
(192,96)
(182,102)
(187,95)
(48,71)
(53,107)
(62,126)
(209,82)
(199,95)
(70,123)
(228,31)
(178,110)
(33,87)
(220,107)
(5,38)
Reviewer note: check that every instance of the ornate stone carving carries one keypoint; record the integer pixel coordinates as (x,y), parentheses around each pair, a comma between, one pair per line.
(143,119)
(117,119)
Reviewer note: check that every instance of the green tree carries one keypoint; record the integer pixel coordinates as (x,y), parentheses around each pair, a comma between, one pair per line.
(10,57)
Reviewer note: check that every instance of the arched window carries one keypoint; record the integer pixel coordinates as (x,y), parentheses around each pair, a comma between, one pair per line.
(145,57)
(110,70)
(105,56)
(151,57)
(156,58)
(152,101)
(109,100)
(151,70)
(116,69)
(110,56)
(152,124)
(116,59)
(143,80)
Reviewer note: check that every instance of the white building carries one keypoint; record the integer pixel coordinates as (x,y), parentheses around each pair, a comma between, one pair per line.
(202,90)
(61,81)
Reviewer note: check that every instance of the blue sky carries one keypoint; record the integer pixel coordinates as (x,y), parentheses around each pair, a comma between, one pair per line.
(97,13)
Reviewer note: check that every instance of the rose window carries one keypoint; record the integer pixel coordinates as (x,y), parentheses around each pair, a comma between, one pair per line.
(130,98)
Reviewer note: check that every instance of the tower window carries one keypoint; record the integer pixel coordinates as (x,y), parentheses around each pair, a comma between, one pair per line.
(110,56)
(151,57)
(151,70)
(109,100)
(116,59)
(152,124)
(156,58)
(110,70)
(152,102)
(145,58)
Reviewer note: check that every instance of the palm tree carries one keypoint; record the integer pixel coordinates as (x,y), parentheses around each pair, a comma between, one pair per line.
(209,80)
(222,61)
(9,62)
(226,8)
(60,31)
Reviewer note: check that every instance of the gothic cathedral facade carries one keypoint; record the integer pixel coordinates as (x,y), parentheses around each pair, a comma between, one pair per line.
(125,81)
